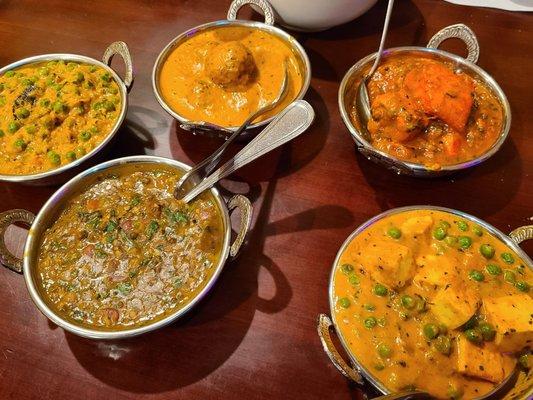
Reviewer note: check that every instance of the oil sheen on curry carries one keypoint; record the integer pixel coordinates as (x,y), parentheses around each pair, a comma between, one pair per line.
(224,74)
(428,300)
(52,113)
(425,112)
(125,252)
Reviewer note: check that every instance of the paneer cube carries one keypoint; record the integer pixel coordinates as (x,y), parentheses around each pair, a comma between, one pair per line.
(417,225)
(512,317)
(479,361)
(390,263)
(434,270)
(455,304)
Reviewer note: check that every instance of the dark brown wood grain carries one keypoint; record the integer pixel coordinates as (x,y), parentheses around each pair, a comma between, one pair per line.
(254,336)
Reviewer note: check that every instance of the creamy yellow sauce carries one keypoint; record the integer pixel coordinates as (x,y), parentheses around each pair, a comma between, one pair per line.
(421,273)
(224,74)
(52,113)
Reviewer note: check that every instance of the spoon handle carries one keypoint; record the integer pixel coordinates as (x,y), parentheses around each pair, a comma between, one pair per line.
(293,121)
(383,38)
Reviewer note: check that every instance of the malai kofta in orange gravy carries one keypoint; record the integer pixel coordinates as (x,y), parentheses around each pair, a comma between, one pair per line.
(423,111)
(125,252)
(428,300)
(224,74)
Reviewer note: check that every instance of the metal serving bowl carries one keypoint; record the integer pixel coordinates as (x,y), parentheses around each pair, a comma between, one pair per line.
(267,26)
(522,390)
(352,78)
(49,212)
(66,171)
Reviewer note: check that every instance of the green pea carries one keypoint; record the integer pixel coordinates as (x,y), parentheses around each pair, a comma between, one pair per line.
(92,69)
(474,335)
(124,288)
(486,251)
(487,331)
(344,302)
(509,276)
(384,350)
(471,323)
(88,85)
(44,103)
(72,65)
(454,392)
(84,136)
(451,241)
(13,127)
(507,258)
(44,71)
(476,275)
(10,74)
(53,157)
(394,233)
(2,134)
(22,113)
(58,107)
(431,331)
(493,269)
(2,101)
(31,129)
(478,231)
(369,307)
(2,87)
(20,144)
(420,305)
(524,360)
(109,106)
(462,225)
(382,322)
(370,322)
(347,268)
(439,233)
(464,242)
(93,129)
(379,367)
(152,228)
(443,344)
(105,77)
(408,301)
(522,286)
(443,224)
(71,155)
(79,78)
(380,290)
(80,152)
(354,280)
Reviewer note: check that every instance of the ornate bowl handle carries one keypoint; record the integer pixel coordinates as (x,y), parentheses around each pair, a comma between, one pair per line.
(245,208)
(522,234)
(264,5)
(324,326)
(121,49)
(8,218)
(458,31)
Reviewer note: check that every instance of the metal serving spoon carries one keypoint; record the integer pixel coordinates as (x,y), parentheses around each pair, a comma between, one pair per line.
(494,394)
(203,169)
(362,103)
(292,121)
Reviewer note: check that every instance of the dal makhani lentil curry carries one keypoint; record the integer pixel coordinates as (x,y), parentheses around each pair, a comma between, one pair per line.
(125,252)
(224,74)
(425,112)
(428,300)
(52,113)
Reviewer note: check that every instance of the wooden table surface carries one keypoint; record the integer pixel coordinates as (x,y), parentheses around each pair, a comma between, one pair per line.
(254,336)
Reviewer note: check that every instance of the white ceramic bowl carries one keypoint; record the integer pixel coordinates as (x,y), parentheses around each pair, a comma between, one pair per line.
(318,15)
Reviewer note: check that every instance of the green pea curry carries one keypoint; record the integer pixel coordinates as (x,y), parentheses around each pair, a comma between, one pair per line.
(428,300)
(52,113)
(125,253)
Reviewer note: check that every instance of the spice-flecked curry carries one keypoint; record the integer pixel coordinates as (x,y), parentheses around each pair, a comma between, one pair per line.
(224,74)
(428,300)
(125,252)
(423,111)
(52,113)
